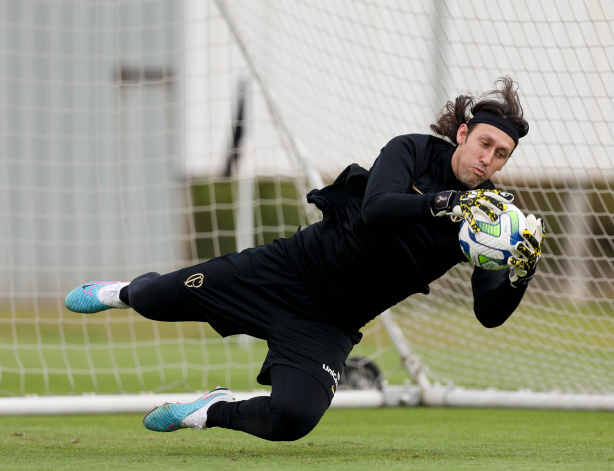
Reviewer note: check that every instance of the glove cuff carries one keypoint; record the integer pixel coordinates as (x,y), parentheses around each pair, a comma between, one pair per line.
(521,281)
(442,201)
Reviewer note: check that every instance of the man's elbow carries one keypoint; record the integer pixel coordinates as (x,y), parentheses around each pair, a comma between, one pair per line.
(491,321)
(372,214)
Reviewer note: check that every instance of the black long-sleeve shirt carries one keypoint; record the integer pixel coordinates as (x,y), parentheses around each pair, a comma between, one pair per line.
(378,242)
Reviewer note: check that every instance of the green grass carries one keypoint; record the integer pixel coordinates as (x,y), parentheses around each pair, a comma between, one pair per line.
(46,352)
(403,438)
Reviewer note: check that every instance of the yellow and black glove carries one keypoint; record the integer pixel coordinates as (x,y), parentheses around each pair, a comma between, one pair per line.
(458,204)
(527,254)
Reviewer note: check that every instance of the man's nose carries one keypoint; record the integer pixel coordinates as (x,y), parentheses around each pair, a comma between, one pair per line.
(487,157)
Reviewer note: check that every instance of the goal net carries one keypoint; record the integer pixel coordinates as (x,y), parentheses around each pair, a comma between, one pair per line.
(150,135)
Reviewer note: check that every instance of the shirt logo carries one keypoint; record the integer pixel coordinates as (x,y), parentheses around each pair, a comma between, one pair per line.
(336,376)
(195,281)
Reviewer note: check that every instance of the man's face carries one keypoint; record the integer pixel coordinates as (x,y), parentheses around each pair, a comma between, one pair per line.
(480,153)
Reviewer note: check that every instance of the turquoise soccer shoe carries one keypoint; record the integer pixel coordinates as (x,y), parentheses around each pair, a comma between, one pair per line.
(171,417)
(95,296)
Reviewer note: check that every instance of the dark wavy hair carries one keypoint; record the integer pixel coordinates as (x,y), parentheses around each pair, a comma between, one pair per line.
(503,101)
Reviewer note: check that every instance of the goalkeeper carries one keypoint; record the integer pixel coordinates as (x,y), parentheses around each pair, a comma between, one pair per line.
(386,234)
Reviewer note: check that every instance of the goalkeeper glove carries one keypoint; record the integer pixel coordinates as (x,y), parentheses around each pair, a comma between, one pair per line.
(457,204)
(524,262)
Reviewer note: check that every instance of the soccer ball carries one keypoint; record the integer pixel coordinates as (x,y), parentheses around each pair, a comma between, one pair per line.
(492,246)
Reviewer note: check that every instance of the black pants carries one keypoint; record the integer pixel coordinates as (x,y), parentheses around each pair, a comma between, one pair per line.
(296,405)
(297,401)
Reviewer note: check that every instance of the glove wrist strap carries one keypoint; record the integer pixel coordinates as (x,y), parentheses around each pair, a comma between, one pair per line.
(522,282)
(443,201)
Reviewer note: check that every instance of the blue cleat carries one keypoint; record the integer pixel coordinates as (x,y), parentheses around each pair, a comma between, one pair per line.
(95,296)
(171,417)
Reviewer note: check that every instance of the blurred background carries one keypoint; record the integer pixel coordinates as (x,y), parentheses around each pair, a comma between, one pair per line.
(148,135)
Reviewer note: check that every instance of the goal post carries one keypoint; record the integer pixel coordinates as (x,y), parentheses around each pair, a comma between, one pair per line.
(115,140)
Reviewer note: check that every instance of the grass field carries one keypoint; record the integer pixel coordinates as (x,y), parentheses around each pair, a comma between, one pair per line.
(117,353)
(404,438)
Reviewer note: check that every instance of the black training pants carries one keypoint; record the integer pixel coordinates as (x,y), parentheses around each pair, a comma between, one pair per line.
(297,401)
(296,405)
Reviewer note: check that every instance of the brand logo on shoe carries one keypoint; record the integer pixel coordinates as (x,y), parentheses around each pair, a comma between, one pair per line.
(195,281)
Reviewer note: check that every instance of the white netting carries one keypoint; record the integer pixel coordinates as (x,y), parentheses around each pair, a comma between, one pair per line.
(116,132)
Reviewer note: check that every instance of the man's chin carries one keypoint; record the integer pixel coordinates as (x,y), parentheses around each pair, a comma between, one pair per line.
(472,183)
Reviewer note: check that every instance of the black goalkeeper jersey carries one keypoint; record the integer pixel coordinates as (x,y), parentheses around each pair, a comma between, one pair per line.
(378,242)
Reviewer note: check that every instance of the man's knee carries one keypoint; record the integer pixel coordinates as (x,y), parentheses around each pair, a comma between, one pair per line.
(293,423)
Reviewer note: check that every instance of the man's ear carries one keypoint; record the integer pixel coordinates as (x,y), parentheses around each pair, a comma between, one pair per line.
(461,134)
